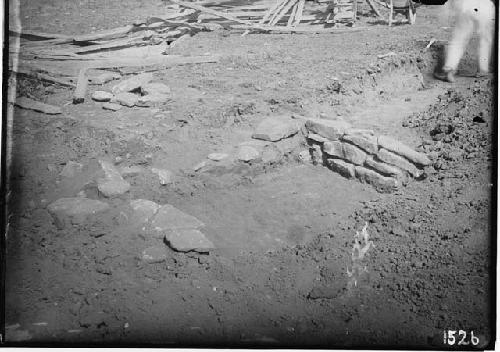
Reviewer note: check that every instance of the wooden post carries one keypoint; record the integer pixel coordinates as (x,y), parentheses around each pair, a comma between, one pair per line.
(81,87)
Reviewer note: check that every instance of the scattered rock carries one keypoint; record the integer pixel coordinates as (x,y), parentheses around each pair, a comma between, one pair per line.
(247,153)
(143,210)
(111,106)
(217,156)
(126,99)
(330,129)
(154,255)
(71,169)
(155,88)
(276,128)
(186,240)
(170,218)
(399,161)
(112,184)
(166,176)
(106,77)
(100,95)
(402,149)
(381,183)
(344,168)
(67,211)
(133,83)
(131,170)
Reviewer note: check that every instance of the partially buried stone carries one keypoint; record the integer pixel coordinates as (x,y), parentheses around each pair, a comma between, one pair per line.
(126,99)
(133,83)
(385,169)
(271,154)
(331,129)
(152,99)
(276,128)
(111,106)
(154,255)
(186,240)
(166,176)
(131,170)
(66,211)
(247,153)
(143,210)
(362,139)
(155,88)
(112,184)
(217,156)
(71,169)
(169,218)
(380,183)
(344,168)
(100,95)
(106,77)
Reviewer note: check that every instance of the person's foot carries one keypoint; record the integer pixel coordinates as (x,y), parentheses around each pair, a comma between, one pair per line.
(483,74)
(445,75)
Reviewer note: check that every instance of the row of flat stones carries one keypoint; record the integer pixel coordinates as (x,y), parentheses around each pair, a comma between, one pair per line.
(381,161)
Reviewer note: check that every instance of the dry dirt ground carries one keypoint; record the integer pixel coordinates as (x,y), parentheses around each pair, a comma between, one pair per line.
(283,230)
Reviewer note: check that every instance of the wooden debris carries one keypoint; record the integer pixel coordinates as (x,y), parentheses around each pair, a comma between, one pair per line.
(300,10)
(374,8)
(81,87)
(309,29)
(35,35)
(30,104)
(43,77)
(210,11)
(105,35)
(292,15)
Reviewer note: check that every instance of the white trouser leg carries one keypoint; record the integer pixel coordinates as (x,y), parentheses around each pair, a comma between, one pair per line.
(485,29)
(459,40)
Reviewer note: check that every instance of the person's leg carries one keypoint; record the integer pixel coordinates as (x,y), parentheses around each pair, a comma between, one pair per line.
(459,40)
(485,27)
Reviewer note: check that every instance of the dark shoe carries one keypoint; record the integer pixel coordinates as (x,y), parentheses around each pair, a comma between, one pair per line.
(447,76)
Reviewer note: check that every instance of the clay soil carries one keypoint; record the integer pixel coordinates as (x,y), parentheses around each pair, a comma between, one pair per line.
(283,231)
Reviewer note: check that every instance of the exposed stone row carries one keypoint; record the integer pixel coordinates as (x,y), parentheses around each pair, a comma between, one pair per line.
(380,161)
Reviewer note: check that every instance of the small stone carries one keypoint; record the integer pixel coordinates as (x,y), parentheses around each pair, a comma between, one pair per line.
(331,129)
(74,210)
(186,240)
(399,161)
(106,77)
(155,88)
(217,156)
(100,95)
(112,184)
(305,156)
(344,168)
(247,153)
(200,166)
(367,142)
(317,155)
(166,176)
(317,138)
(111,106)
(334,149)
(133,83)
(170,218)
(71,169)
(143,210)
(276,128)
(403,150)
(131,170)
(379,182)
(271,154)
(353,154)
(154,255)
(126,99)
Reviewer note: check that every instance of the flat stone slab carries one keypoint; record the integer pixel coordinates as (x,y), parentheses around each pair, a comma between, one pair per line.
(331,129)
(105,77)
(344,168)
(133,83)
(155,88)
(126,99)
(152,99)
(381,183)
(186,240)
(30,104)
(403,150)
(399,161)
(100,95)
(143,210)
(169,217)
(111,106)
(74,210)
(217,156)
(247,153)
(274,129)
(360,138)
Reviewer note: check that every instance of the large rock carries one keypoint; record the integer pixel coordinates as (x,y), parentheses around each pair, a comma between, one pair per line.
(363,139)
(353,154)
(274,129)
(385,169)
(67,211)
(133,83)
(396,160)
(155,88)
(170,218)
(404,150)
(186,240)
(344,168)
(112,184)
(379,182)
(334,149)
(143,210)
(126,99)
(331,129)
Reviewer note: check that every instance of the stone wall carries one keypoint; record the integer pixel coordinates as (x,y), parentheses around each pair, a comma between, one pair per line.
(380,161)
